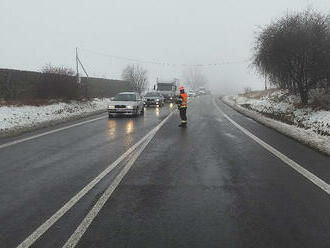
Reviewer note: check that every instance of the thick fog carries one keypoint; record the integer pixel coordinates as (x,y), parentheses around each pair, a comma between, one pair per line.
(163,36)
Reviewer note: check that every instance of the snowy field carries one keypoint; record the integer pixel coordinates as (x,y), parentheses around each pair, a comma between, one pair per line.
(19,118)
(283,106)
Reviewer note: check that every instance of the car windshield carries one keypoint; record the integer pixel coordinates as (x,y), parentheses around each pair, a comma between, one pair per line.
(165,87)
(152,94)
(125,97)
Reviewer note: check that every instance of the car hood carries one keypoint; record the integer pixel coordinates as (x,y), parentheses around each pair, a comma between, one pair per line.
(152,97)
(131,103)
(167,92)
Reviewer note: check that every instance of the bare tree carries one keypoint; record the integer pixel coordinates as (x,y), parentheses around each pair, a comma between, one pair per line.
(294,52)
(137,76)
(247,90)
(58,82)
(194,77)
(59,70)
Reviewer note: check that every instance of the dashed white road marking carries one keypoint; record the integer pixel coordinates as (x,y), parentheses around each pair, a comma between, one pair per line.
(49,132)
(32,238)
(294,165)
(230,135)
(219,119)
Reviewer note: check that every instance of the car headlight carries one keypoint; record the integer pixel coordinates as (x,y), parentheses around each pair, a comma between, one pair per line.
(111,107)
(157,100)
(129,107)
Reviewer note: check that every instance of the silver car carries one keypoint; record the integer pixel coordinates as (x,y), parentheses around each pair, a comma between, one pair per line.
(126,103)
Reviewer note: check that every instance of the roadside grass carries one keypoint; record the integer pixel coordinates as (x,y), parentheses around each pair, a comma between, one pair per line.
(319,99)
(258,94)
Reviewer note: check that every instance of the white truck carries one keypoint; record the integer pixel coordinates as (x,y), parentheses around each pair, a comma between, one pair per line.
(168,89)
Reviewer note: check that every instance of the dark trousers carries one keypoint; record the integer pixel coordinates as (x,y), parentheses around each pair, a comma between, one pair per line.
(183,114)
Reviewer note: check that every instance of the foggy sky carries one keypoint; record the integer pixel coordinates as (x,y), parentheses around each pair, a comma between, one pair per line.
(38,32)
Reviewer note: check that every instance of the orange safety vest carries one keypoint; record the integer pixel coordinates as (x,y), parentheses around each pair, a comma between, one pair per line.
(184,100)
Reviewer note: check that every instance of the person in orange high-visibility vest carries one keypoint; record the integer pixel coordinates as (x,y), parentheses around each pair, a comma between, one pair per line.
(182,101)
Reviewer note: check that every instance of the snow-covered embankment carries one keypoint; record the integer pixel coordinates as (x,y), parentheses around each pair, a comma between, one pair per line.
(303,124)
(17,119)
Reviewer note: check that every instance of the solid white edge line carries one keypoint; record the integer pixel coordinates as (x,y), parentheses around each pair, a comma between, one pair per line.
(67,206)
(294,165)
(48,132)
(87,221)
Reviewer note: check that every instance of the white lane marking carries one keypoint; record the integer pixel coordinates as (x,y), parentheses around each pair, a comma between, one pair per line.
(87,221)
(230,135)
(307,174)
(219,119)
(67,206)
(49,132)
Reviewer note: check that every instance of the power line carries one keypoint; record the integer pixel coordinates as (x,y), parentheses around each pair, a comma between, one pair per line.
(164,63)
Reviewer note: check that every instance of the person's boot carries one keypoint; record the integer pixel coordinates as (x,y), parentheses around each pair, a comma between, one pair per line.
(183,124)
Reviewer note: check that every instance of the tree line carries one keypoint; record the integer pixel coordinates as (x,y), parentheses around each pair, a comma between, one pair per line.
(293,52)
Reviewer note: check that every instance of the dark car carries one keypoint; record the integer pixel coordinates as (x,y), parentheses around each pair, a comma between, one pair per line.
(153,99)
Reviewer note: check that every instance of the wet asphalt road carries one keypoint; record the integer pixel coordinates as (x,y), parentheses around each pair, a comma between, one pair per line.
(208,185)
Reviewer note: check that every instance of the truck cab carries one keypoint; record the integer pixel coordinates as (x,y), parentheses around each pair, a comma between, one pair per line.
(168,90)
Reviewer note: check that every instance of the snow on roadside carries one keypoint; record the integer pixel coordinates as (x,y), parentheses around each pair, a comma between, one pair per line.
(305,135)
(15,118)
(315,120)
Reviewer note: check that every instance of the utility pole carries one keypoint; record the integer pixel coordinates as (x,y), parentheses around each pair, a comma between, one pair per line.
(265,75)
(78,62)
(77,66)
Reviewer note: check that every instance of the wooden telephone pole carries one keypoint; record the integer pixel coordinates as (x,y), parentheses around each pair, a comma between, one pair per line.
(77,66)
(78,62)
